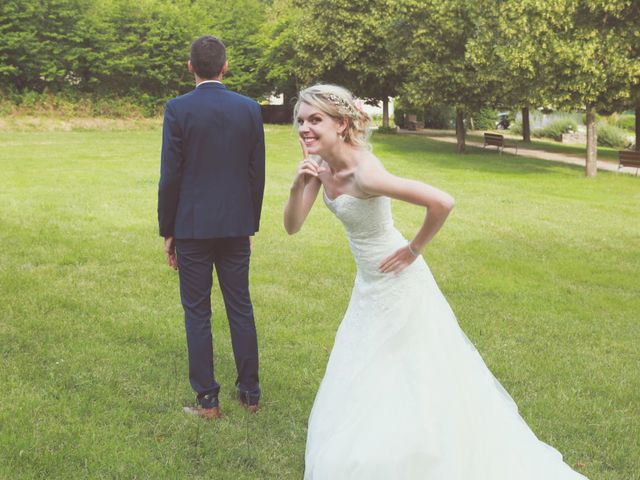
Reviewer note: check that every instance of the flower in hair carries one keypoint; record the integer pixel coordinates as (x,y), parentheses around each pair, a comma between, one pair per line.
(340,102)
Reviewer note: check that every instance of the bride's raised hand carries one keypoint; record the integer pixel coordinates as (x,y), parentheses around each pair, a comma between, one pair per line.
(398,260)
(308,168)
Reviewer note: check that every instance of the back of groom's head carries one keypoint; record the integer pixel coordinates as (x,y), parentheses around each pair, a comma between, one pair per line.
(208,56)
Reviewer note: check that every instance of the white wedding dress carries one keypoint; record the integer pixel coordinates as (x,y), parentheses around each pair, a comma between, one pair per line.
(405,394)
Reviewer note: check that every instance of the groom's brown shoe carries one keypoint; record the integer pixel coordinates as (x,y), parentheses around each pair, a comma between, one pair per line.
(248,401)
(206,413)
(207,407)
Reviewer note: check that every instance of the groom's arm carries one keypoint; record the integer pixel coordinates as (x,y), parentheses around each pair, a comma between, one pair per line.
(170,172)
(257,169)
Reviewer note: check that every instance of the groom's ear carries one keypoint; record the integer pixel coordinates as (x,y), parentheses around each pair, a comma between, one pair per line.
(225,67)
(190,67)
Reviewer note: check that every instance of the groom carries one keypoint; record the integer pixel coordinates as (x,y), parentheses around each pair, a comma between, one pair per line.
(209,203)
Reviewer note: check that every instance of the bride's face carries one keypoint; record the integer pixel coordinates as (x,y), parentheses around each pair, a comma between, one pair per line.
(318,131)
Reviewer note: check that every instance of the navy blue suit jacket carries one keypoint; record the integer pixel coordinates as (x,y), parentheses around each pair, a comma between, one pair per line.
(212,168)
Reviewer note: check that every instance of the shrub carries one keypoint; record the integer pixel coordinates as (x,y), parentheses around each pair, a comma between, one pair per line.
(386,130)
(73,104)
(398,116)
(516,127)
(611,136)
(556,128)
(627,122)
(439,116)
(485,119)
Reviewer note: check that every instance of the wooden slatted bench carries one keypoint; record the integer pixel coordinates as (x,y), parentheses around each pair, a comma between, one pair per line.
(497,140)
(629,158)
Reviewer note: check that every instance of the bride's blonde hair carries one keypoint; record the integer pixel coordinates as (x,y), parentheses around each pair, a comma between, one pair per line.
(338,103)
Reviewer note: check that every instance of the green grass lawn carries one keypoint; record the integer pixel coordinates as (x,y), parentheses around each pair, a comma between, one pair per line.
(540,264)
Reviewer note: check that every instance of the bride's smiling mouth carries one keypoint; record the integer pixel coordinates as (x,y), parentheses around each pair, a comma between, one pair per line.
(308,139)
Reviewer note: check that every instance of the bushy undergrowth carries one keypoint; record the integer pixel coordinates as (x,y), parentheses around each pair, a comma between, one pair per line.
(376,120)
(612,136)
(68,105)
(485,119)
(556,128)
(627,122)
(386,130)
(516,127)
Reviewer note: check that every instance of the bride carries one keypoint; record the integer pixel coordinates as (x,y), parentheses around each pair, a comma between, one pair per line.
(405,394)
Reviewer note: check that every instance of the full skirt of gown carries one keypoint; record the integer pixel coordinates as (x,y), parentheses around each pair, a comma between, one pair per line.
(405,394)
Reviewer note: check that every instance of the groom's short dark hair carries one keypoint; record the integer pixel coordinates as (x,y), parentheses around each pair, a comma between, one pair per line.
(208,55)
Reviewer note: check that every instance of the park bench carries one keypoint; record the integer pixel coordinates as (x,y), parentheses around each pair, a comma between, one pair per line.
(629,158)
(496,140)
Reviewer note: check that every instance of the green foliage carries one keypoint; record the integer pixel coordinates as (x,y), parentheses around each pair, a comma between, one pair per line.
(439,116)
(594,58)
(516,127)
(485,119)
(612,136)
(509,51)
(377,121)
(398,115)
(124,48)
(66,104)
(278,62)
(556,128)
(143,48)
(238,23)
(45,44)
(432,39)
(627,122)
(346,42)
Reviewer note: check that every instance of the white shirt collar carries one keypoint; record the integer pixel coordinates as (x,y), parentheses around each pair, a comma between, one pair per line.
(209,81)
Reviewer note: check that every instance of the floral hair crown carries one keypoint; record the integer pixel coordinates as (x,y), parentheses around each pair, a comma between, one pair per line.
(341,102)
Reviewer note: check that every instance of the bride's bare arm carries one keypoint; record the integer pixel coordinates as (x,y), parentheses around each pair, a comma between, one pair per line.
(375,180)
(304,191)
(301,198)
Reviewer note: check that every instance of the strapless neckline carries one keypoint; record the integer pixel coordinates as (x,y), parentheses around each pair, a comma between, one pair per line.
(345,195)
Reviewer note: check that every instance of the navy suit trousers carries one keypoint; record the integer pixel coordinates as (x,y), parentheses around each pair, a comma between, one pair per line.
(196,260)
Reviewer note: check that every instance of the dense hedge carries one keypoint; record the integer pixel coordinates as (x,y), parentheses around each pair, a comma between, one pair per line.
(122,48)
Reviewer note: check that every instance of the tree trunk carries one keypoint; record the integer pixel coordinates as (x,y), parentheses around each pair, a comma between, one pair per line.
(460,130)
(385,112)
(287,98)
(638,126)
(592,143)
(526,127)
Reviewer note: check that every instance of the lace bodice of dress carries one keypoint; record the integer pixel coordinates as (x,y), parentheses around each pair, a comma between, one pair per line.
(362,217)
(369,227)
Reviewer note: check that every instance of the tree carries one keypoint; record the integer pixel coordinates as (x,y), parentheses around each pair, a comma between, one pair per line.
(347,42)
(42,44)
(278,59)
(142,49)
(238,24)
(510,52)
(594,66)
(433,37)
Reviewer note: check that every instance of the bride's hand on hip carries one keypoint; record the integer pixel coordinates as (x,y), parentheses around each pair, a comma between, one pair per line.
(398,260)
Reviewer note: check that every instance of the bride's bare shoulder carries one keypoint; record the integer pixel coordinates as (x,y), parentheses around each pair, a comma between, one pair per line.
(369,172)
